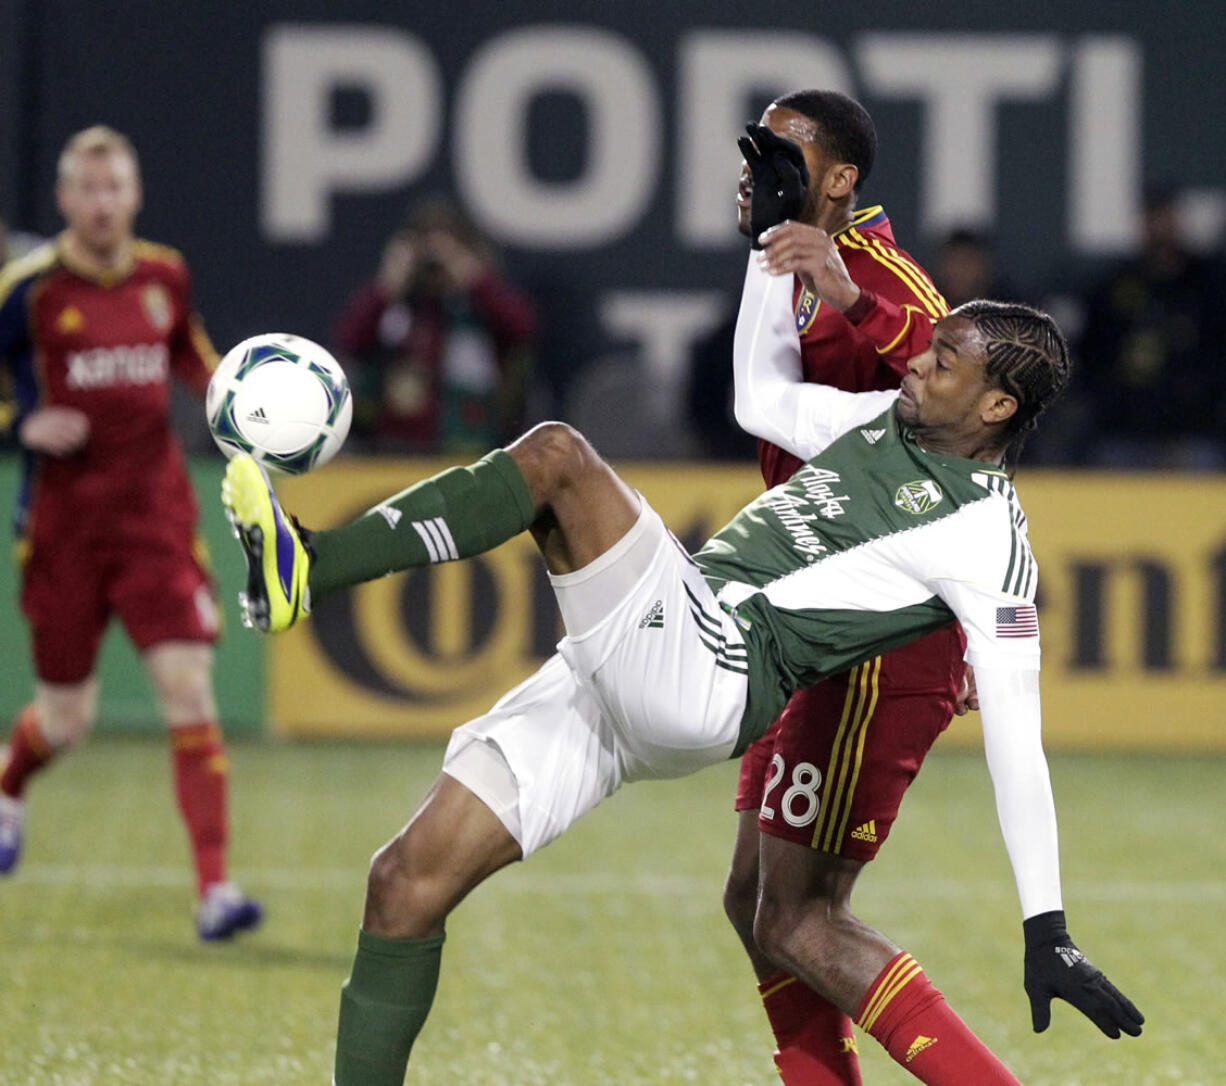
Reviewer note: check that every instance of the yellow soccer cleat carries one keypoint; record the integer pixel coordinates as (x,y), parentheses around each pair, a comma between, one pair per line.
(277,560)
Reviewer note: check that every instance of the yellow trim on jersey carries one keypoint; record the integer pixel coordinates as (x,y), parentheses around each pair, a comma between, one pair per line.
(901,973)
(908,272)
(910,311)
(25,267)
(860,216)
(847,754)
(153,250)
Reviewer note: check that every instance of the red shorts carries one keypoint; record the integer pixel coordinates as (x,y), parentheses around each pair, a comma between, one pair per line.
(830,773)
(159,587)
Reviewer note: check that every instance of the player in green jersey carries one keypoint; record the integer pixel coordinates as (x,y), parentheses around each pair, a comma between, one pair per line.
(901,519)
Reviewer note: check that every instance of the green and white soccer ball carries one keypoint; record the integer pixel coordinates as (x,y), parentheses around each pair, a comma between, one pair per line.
(283,399)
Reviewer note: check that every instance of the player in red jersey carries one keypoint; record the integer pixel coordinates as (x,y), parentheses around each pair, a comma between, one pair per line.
(92,326)
(818,793)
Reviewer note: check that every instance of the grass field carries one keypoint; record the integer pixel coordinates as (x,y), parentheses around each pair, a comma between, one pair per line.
(604,960)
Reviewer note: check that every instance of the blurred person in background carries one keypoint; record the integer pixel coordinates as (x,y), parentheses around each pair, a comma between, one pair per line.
(440,343)
(967,267)
(92,327)
(1153,352)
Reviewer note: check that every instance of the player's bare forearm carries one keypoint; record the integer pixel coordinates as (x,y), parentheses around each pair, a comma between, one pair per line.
(809,252)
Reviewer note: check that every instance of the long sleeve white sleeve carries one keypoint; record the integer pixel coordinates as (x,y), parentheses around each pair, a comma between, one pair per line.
(1010,710)
(772,400)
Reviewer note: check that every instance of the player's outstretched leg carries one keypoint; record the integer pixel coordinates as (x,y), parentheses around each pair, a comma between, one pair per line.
(453,843)
(550,480)
(278,563)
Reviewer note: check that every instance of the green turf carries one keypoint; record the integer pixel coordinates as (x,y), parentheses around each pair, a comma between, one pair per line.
(605,960)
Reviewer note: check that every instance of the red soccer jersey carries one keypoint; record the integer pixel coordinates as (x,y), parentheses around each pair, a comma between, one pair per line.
(105,345)
(869,352)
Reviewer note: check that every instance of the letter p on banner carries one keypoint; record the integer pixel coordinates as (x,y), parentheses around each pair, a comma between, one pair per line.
(304,158)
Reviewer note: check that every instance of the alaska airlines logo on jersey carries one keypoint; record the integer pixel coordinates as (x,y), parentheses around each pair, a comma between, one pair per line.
(806,310)
(157,307)
(795,516)
(817,483)
(104,367)
(797,512)
(918,497)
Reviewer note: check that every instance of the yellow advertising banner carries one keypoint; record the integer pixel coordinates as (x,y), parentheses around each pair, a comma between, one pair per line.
(1132,605)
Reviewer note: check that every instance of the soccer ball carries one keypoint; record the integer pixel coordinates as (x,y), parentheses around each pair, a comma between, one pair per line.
(281,398)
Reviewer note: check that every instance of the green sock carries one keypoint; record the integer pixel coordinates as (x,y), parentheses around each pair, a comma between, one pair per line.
(455,514)
(384,1004)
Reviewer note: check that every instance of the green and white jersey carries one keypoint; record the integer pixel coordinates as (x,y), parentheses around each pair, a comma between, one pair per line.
(871,544)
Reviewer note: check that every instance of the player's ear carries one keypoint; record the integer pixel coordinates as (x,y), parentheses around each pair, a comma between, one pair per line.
(997,406)
(841,180)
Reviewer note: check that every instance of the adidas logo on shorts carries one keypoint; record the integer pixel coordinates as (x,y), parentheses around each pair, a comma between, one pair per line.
(866,831)
(654,619)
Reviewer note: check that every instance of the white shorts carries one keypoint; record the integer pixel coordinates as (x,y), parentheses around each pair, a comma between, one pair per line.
(656,688)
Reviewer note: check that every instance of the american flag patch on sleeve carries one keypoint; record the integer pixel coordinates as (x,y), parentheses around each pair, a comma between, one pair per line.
(1020,621)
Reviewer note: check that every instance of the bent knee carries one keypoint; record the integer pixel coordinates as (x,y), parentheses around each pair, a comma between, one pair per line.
(562,449)
(65,721)
(182,677)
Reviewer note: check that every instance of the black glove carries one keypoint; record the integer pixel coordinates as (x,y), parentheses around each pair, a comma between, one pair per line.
(780,178)
(1056,969)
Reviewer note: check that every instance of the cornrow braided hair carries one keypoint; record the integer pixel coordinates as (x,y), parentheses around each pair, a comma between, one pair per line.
(1026,356)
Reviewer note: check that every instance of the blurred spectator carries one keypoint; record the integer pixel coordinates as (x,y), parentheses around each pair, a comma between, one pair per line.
(440,343)
(966,267)
(1152,355)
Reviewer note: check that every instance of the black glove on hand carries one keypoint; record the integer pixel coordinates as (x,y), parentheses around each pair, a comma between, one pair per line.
(780,178)
(1056,969)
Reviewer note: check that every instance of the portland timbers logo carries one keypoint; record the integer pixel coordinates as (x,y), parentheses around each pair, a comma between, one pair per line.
(918,497)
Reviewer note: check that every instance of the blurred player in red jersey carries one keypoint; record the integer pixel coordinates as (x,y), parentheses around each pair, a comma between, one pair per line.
(819,791)
(92,326)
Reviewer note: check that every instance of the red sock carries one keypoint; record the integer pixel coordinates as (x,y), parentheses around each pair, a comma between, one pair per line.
(817,1046)
(29,751)
(201,775)
(921,1032)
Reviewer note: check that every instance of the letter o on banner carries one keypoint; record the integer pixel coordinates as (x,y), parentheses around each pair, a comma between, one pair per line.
(618,95)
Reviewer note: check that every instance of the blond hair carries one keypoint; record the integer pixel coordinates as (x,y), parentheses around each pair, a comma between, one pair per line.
(99,139)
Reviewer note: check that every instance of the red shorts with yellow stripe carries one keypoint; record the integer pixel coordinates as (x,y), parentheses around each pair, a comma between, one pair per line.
(830,773)
(158,585)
